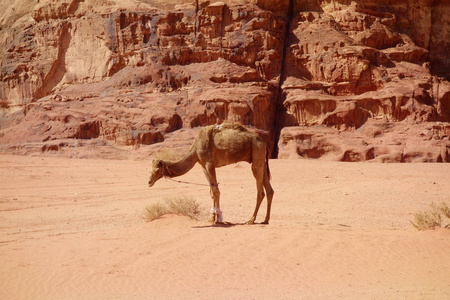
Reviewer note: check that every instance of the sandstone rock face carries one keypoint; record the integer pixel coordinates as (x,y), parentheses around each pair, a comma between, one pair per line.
(314,78)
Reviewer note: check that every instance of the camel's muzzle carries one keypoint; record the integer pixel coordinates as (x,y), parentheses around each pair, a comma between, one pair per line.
(151,182)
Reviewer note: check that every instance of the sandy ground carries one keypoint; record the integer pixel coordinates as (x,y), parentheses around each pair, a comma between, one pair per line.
(73,229)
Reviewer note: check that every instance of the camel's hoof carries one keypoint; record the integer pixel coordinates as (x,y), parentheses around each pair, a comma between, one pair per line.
(250,222)
(265,223)
(215,221)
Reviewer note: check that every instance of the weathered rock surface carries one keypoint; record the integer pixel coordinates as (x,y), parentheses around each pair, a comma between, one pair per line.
(375,141)
(313,77)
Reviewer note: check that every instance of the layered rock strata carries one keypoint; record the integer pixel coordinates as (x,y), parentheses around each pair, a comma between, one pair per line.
(138,73)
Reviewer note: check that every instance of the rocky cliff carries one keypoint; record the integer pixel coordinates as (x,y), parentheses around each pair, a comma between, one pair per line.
(334,79)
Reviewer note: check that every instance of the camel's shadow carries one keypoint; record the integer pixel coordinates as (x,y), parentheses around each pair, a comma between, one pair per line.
(224,225)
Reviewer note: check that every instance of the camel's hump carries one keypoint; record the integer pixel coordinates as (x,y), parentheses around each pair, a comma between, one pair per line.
(230,125)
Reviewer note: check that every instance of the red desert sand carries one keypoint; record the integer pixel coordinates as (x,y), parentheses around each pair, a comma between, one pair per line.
(73,229)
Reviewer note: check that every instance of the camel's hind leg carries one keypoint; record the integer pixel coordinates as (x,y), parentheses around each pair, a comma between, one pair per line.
(262,183)
(269,192)
(258,173)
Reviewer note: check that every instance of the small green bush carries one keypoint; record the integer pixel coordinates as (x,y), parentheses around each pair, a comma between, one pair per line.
(433,217)
(184,206)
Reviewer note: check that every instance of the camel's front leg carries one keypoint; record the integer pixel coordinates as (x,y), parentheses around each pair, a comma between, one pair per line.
(216,213)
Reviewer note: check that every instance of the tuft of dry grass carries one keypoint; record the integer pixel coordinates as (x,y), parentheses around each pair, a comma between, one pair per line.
(154,211)
(184,206)
(433,217)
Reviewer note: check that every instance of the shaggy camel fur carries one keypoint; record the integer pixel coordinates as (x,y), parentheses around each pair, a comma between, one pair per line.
(216,146)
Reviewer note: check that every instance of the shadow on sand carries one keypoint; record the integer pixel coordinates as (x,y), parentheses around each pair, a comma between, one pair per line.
(225,225)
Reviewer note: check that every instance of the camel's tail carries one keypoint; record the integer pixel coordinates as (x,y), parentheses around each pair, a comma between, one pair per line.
(267,164)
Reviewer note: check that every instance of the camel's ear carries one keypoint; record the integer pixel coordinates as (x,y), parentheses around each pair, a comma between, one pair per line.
(158,163)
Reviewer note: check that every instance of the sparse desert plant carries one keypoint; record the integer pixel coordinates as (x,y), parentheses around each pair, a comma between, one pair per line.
(433,217)
(185,206)
(154,211)
(445,209)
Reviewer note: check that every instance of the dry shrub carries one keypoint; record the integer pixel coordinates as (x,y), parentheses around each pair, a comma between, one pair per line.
(184,206)
(445,209)
(433,217)
(154,211)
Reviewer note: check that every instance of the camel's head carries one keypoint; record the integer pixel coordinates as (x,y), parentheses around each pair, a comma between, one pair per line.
(157,172)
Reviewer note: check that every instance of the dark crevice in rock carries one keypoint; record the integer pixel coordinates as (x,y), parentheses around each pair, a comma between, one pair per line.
(279,108)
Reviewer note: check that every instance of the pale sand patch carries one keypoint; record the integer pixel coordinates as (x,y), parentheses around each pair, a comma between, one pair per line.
(72,229)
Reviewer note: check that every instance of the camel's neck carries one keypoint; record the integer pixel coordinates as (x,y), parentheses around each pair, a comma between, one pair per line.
(181,167)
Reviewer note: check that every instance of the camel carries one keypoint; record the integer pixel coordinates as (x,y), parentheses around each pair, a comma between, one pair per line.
(217,146)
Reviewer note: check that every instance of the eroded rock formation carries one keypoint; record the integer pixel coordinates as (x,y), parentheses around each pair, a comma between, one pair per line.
(313,77)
